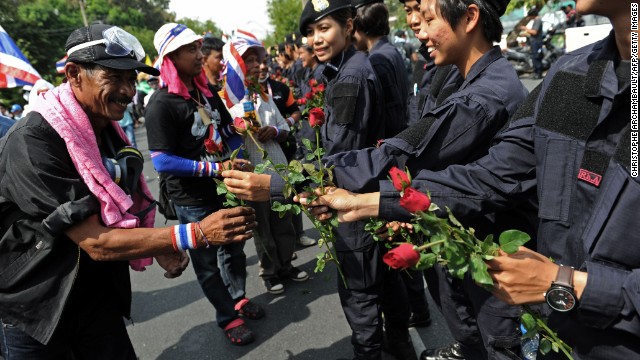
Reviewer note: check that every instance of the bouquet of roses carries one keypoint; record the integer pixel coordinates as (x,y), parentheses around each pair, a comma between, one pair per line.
(314,99)
(448,243)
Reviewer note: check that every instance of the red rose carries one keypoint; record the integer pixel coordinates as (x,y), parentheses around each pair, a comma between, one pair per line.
(211,146)
(240,125)
(402,257)
(313,82)
(302,101)
(399,178)
(316,117)
(309,95)
(320,88)
(414,200)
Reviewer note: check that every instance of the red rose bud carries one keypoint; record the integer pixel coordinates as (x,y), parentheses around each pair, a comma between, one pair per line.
(211,146)
(302,101)
(399,178)
(309,95)
(414,200)
(316,117)
(402,257)
(240,125)
(320,88)
(313,82)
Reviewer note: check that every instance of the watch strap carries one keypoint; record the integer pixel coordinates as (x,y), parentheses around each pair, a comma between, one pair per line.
(565,276)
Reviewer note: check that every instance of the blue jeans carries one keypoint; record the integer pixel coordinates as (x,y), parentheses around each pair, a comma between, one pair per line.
(221,270)
(90,331)
(129,131)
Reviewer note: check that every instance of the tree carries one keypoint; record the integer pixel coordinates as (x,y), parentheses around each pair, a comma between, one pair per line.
(284,15)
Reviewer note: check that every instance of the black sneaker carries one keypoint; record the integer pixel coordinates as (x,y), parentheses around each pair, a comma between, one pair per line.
(420,320)
(274,286)
(449,352)
(295,274)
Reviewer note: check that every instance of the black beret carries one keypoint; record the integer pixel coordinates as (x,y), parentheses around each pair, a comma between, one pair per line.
(358,3)
(499,5)
(315,10)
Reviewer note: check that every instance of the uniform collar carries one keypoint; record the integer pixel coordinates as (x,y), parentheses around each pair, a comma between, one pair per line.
(332,68)
(383,40)
(485,60)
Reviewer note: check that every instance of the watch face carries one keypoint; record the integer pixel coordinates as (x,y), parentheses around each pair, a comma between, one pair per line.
(560,299)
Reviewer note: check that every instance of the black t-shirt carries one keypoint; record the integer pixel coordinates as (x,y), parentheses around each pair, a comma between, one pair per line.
(174,126)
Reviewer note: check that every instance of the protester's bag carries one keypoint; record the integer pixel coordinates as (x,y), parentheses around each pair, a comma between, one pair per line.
(165,204)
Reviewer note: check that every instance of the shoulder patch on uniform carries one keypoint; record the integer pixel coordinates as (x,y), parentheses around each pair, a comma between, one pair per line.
(566,95)
(344,97)
(418,131)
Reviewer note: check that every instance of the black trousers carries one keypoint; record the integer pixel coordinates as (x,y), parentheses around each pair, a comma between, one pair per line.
(371,289)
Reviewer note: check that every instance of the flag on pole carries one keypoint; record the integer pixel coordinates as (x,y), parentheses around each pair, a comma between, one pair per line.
(235,68)
(60,64)
(15,69)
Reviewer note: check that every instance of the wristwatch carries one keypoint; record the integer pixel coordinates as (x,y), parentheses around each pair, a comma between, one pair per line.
(560,295)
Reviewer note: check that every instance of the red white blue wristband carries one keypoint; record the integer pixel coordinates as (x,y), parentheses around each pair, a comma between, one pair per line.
(183,237)
(207,169)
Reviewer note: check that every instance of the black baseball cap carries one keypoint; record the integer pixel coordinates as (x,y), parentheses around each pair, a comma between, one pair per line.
(109,46)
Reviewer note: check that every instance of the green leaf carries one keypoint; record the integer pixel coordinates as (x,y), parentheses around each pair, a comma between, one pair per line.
(555,347)
(296,178)
(334,221)
(296,209)
(510,240)
(265,155)
(234,154)
(427,260)
(287,190)
(307,144)
(310,156)
(433,207)
(296,166)
(320,263)
(545,346)
(479,271)
(260,168)
(277,206)
(453,219)
(310,169)
(529,322)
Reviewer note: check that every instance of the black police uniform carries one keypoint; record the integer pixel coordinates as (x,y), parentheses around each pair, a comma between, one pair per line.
(457,127)
(569,147)
(390,70)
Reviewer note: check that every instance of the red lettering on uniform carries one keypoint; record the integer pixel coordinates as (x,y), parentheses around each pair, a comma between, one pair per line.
(588,176)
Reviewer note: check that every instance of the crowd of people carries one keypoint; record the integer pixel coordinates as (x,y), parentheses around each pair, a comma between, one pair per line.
(76,213)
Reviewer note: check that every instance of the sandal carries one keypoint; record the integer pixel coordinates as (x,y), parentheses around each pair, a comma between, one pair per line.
(249,309)
(238,333)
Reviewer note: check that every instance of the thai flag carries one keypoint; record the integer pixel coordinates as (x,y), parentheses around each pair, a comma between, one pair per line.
(60,64)
(15,69)
(235,68)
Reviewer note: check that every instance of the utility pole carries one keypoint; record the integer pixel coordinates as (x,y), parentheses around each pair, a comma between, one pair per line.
(84,15)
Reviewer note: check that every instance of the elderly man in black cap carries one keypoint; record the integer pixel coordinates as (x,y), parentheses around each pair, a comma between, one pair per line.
(73,207)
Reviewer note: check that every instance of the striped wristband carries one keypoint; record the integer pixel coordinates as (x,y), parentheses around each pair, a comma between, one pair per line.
(291,121)
(277,130)
(207,169)
(183,237)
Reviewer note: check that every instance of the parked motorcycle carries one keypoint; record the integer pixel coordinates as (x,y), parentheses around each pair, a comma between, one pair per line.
(520,56)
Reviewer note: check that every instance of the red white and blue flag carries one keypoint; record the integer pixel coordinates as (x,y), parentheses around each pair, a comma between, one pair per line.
(235,68)
(15,69)
(60,64)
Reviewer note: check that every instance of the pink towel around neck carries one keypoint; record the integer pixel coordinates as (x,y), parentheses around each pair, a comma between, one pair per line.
(169,75)
(63,112)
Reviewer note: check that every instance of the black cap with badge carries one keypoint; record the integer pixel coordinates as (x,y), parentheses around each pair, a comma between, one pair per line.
(358,3)
(315,10)
(109,46)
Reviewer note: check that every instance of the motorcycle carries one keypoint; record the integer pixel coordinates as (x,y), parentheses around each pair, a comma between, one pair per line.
(520,56)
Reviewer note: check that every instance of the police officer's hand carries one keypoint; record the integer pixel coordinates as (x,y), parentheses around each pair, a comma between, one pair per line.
(522,277)
(229,225)
(174,263)
(247,185)
(266,133)
(351,206)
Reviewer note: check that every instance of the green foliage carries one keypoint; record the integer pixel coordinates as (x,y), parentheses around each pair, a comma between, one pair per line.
(284,15)
(511,240)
